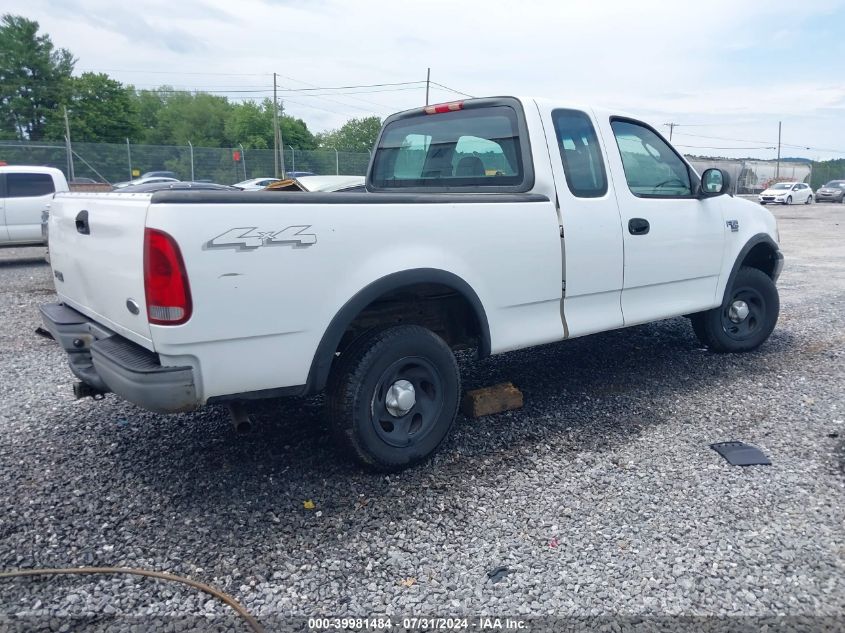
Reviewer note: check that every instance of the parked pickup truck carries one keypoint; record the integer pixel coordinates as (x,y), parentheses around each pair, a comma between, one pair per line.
(25,192)
(495,224)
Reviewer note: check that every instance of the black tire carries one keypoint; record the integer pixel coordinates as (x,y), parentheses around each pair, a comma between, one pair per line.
(360,386)
(788,199)
(715,328)
(809,200)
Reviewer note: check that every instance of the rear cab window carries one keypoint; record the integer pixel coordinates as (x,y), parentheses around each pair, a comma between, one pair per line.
(479,145)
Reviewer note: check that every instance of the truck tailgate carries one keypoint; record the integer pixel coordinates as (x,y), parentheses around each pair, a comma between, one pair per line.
(97,256)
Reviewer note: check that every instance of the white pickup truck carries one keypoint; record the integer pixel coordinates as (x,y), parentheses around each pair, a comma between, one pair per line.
(25,192)
(494,224)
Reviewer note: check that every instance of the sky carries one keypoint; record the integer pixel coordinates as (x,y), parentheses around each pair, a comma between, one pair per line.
(725,71)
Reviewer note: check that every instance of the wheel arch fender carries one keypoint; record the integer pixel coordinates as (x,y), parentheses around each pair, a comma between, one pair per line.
(323,357)
(761,252)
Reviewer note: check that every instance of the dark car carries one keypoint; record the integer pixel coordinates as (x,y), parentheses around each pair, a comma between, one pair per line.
(834,191)
(160,174)
(180,185)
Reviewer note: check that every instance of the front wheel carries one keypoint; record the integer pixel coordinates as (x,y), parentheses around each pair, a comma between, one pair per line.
(393,396)
(746,318)
(789,200)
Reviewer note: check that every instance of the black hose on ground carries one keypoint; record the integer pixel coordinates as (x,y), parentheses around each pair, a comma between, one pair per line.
(216,593)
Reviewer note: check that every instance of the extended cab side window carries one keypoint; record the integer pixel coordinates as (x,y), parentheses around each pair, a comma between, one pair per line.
(450,151)
(28,185)
(579,150)
(652,168)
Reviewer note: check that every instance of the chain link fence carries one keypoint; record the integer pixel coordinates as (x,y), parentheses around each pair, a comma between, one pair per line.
(753,176)
(115,162)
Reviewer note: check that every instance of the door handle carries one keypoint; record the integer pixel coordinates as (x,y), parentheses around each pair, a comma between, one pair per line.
(82,225)
(638,226)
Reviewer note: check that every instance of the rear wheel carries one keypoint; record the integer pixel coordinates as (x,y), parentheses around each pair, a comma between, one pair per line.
(746,318)
(809,200)
(393,396)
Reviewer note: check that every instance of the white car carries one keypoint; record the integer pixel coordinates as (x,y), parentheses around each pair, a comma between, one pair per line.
(331,183)
(787,193)
(144,181)
(255,184)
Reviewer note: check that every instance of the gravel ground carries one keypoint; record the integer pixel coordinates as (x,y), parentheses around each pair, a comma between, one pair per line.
(601,495)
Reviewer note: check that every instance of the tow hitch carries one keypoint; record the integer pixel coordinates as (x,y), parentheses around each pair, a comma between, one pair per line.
(84,390)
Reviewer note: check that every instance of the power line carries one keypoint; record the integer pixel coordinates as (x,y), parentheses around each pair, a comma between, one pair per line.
(741,140)
(175,72)
(398,83)
(434,83)
(712,147)
(315,87)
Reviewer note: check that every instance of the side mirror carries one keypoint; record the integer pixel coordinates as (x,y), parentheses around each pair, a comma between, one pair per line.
(714,182)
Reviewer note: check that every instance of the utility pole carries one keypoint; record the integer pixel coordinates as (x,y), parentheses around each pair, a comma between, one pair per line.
(282,143)
(671,127)
(275,128)
(191,148)
(427,84)
(777,166)
(69,149)
(129,158)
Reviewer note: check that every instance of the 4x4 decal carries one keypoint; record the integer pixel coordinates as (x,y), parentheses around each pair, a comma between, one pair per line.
(250,237)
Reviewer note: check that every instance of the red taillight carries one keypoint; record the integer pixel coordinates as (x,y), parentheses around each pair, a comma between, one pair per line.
(165,280)
(440,108)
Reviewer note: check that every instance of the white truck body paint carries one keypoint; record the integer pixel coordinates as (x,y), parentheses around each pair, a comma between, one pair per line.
(260,309)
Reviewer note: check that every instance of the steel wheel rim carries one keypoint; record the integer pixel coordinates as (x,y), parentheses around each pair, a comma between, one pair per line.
(752,323)
(398,429)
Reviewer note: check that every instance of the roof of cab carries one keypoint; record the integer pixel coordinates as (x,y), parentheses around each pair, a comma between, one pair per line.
(28,169)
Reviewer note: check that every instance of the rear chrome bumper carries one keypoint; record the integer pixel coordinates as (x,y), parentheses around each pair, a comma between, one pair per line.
(110,363)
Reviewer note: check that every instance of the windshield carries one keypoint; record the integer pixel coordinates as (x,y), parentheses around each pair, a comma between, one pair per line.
(833,184)
(782,185)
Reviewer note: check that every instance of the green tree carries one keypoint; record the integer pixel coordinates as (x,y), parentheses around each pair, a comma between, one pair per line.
(251,124)
(295,133)
(34,78)
(825,171)
(100,110)
(356,135)
(148,104)
(183,116)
